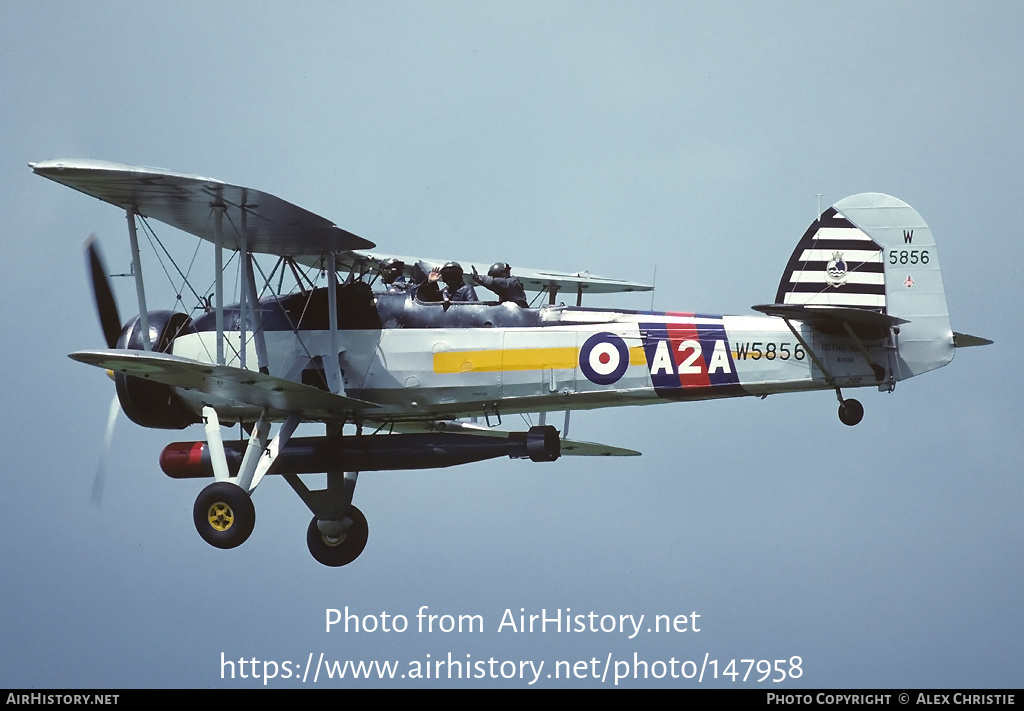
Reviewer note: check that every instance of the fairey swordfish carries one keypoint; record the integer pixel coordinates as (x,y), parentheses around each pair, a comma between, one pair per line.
(426,384)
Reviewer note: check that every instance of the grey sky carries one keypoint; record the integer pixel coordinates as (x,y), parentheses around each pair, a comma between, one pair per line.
(604,136)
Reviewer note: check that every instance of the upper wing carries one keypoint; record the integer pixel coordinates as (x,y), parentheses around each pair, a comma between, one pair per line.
(273,225)
(532,279)
(227,385)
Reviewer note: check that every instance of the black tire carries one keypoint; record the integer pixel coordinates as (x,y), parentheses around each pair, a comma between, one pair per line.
(851,412)
(346,549)
(224,515)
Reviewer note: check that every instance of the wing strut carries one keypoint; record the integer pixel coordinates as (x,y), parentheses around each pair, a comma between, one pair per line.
(218,287)
(140,292)
(333,368)
(248,299)
(243,300)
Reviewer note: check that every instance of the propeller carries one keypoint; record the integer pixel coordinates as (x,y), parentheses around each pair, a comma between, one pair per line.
(110,319)
(101,468)
(110,322)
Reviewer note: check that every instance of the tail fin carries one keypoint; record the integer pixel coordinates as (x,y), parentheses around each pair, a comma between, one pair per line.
(875,252)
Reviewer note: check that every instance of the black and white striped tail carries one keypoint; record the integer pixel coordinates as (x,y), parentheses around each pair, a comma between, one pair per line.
(834,264)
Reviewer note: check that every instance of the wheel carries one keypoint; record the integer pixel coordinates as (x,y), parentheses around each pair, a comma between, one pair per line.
(851,412)
(224,515)
(344,549)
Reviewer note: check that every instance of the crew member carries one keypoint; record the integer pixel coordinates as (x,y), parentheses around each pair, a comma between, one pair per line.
(499,279)
(455,289)
(392,273)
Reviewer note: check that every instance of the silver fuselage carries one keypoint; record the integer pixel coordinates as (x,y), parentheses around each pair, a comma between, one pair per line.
(572,358)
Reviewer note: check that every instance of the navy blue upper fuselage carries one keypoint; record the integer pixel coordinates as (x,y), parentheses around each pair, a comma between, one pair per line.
(359,308)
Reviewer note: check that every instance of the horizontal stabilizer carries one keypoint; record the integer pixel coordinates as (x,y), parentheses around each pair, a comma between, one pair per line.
(963,340)
(226,385)
(870,323)
(570,448)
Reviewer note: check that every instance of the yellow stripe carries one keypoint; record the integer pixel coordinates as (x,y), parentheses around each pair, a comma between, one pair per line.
(492,361)
(512,359)
(467,362)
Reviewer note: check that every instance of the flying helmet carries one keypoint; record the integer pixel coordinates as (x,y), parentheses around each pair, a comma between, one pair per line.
(451,273)
(391,269)
(499,270)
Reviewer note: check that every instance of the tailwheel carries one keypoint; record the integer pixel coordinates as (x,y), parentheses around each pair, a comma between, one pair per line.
(224,515)
(851,412)
(343,541)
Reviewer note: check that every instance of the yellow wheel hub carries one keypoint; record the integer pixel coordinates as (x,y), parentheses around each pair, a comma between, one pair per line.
(220,516)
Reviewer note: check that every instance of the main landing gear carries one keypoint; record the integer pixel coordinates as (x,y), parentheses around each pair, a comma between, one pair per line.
(224,514)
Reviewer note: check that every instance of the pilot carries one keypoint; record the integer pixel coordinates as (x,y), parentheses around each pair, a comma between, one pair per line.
(392,274)
(455,289)
(499,279)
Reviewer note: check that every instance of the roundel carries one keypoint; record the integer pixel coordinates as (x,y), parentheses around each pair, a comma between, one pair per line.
(604,358)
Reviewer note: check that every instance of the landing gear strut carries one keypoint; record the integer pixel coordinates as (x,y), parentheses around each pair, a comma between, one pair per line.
(850,411)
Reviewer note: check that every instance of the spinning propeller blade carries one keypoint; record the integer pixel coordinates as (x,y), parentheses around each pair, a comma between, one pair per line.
(101,468)
(110,319)
(110,322)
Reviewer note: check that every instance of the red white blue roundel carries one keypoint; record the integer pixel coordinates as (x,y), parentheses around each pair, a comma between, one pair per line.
(604,358)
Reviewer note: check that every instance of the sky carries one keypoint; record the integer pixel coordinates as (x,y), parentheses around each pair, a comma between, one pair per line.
(686,140)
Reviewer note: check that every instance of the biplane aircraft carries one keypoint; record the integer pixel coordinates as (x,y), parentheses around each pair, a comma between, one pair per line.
(426,384)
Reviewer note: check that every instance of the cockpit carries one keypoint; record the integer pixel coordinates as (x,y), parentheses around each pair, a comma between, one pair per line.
(361,309)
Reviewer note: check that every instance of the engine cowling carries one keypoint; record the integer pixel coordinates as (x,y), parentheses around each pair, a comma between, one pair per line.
(147,403)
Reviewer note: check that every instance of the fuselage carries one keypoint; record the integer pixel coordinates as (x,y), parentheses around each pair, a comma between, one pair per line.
(430,360)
